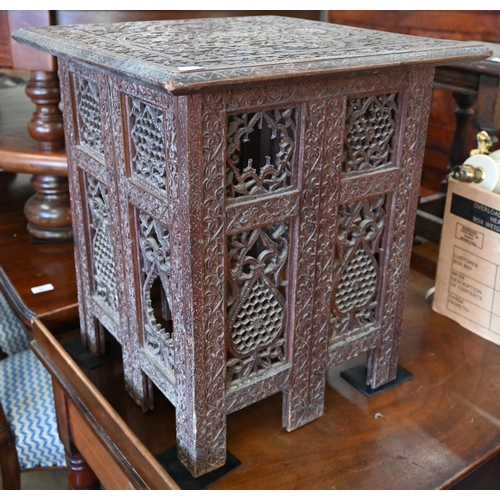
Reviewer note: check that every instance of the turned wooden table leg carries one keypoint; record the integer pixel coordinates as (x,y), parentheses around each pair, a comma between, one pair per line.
(459,149)
(80,475)
(48,211)
(9,463)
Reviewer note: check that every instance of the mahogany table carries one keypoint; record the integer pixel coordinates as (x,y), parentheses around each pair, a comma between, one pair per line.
(263,174)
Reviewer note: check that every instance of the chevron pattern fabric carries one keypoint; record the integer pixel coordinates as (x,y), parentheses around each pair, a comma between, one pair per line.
(13,336)
(27,399)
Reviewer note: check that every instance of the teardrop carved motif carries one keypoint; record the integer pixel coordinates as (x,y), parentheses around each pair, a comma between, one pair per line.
(357,272)
(256,314)
(102,249)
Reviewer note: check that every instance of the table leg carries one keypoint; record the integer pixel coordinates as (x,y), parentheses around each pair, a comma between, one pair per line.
(48,211)
(80,475)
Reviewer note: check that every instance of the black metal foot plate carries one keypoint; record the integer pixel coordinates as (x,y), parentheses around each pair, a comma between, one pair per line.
(357,378)
(169,461)
(87,358)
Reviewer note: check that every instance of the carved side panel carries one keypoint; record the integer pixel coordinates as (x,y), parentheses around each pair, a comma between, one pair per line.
(322,149)
(369,129)
(104,270)
(256,302)
(88,114)
(357,267)
(142,163)
(382,361)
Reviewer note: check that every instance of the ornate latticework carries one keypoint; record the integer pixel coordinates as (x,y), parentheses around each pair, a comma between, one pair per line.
(256,301)
(260,149)
(147,144)
(369,129)
(104,263)
(154,244)
(89,117)
(357,273)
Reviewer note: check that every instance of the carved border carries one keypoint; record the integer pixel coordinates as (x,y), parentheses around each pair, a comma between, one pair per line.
(382,361)
(358,187)
(296,92)
(264,212)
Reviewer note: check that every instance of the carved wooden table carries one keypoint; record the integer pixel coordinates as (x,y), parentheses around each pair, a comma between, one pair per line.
(260,176)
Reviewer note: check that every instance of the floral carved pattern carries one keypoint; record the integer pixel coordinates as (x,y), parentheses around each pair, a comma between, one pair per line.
(154,246)
(89,118)
(256,306)
(146,141)
(245,174)
(369,129)
(357,270)
(104,264)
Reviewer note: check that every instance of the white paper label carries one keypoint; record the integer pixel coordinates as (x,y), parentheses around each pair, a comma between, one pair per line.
(42,288)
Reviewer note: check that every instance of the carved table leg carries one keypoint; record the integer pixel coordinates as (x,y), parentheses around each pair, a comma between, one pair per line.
(80,475)
(48,211)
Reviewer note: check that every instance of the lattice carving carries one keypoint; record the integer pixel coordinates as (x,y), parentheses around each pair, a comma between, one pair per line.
(154,244)
(256,301)
(103,255)
(146,141)
(369,129)
(89,117)
(356,273)
(249,170)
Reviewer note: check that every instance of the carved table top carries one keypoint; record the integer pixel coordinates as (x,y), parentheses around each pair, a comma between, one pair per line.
(189,55)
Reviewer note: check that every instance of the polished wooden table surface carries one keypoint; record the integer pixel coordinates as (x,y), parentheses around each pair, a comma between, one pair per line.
(24,265)
(430,432)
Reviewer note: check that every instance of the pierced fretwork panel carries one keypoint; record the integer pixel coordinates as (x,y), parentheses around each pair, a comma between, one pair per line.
(147,144)
(357,271)
(256,301)
(369,129)
(154,246)
(89,116)
(102,249)
(260,149)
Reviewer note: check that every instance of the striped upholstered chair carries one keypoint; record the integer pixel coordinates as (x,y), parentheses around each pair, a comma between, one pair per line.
(28,428)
